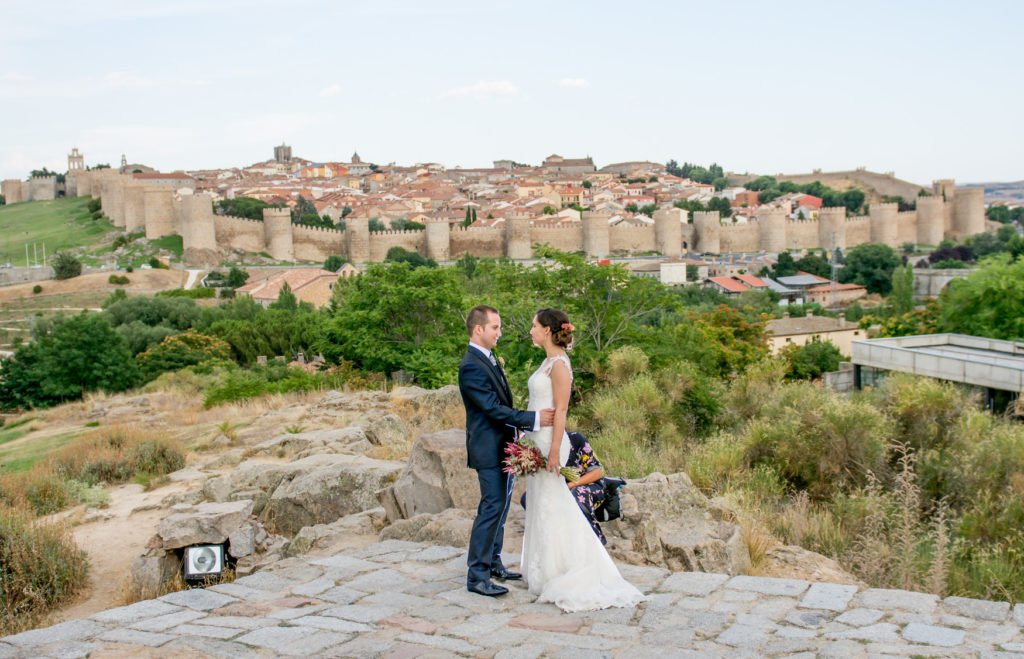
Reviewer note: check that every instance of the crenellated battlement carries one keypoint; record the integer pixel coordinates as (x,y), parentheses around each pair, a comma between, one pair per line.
(326,230)
(770,230)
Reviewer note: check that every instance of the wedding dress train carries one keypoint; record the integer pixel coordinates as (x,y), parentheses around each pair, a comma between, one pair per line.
(563,560)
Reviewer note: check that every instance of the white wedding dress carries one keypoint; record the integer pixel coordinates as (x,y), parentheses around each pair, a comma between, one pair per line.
(563,560)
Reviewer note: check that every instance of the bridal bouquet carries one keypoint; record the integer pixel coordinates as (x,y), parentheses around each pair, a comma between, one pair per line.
(522,458)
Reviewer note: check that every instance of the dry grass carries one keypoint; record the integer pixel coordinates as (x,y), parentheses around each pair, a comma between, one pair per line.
(40,566)
(420,420)
(131,591)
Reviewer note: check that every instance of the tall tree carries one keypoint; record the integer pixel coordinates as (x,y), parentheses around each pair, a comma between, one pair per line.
(902,296)
(870,265)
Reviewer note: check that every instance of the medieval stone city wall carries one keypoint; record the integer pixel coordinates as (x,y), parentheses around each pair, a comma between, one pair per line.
(625,238)
(159,211)
(12,191)
(241,233)
(482,242)
(316,244)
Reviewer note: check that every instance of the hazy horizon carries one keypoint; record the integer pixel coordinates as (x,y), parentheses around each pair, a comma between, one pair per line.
(922,89)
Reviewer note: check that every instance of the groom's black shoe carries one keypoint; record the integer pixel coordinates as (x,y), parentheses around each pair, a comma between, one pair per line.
(504,574)
(486,588)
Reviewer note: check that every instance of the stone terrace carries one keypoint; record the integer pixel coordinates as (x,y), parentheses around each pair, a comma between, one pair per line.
(403,599)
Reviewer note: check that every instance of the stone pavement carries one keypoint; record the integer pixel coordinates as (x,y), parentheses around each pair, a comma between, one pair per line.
(404,599)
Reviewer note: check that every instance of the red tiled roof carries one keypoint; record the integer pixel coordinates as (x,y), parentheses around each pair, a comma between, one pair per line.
(830,287)
(269,289)
(158,175)
(752,281)
(730,284)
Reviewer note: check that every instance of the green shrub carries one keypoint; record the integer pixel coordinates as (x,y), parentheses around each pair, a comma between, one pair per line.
(241,384)
(37,289)
(819,441)
(118,280)
(925,410)
(49,494)
(180,350)
(40,569)
(156,458)
(195,294)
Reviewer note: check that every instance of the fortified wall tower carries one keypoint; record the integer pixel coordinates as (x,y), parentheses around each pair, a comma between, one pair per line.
(883,223)
(12,190)
(772,223)
(708,228)
(517,237)
(197,228)
(832,228)
(277,225)
(357,239)
(968,212)
(596,241)
(668,229)
(930,220)
(439,239)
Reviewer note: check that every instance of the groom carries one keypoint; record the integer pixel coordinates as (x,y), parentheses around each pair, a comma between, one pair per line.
(491,424)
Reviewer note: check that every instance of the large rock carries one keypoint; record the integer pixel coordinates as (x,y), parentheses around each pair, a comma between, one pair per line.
(667,521)
(436,478)
(324,536)
(151,571)
(206,523)
(417,399)
(352,439)
(321,489)
(450,527)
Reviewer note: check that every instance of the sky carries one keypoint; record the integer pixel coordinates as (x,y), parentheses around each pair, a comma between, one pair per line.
(927,89)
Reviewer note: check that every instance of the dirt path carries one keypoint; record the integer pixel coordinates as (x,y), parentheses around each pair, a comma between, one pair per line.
(112,538)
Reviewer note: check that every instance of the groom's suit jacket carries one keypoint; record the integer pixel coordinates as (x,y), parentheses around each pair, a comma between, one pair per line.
(490,418)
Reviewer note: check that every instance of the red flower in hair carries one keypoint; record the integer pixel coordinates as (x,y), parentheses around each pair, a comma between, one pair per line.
(568,326)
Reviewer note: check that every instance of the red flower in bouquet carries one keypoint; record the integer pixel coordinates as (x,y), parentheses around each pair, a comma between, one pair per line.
(522,458)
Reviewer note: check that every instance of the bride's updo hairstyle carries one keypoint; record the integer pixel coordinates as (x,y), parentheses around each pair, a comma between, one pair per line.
(561,329)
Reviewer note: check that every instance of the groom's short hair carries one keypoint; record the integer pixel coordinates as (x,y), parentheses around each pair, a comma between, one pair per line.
(478,316)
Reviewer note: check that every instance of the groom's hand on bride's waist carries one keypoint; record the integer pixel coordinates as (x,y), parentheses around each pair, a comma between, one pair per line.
(547,417)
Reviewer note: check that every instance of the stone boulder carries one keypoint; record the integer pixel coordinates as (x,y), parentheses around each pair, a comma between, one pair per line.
(417,399)
(320,489)
(352,439)
(450,527)
(434,479)
(324,536)
(666,521)
(206,523)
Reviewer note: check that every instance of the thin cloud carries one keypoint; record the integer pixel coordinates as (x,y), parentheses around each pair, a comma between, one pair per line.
(574,83)
(484,89)
(330,90)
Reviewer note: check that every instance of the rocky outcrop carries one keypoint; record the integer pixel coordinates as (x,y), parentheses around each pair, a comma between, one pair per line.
(434,479)
(667,521)
(324,536)
(450,527)
(324,489)
(349,440)
(207,523)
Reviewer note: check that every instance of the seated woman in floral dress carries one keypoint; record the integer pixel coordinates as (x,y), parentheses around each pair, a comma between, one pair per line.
(587,491)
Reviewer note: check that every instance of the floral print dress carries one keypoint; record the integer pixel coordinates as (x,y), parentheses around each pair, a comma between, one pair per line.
(589,497)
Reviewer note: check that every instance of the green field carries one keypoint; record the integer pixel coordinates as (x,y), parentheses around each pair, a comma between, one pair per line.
(60,224)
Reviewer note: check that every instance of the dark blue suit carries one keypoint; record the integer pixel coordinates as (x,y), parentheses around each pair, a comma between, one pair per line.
(491,424)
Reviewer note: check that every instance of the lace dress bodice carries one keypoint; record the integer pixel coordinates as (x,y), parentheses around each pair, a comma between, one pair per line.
(542,396)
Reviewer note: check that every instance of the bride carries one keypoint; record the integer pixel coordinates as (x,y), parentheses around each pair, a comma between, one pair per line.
(563,560)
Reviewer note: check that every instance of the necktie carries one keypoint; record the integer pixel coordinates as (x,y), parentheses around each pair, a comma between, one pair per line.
(494,362)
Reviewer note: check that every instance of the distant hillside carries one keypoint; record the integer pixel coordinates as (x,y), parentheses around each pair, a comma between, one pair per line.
(59,224)
(1007,193)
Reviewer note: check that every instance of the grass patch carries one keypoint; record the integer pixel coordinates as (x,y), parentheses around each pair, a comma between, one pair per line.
(40,569)
(15,430)
(60,224)
(76,472)
(22,456)
(172,243)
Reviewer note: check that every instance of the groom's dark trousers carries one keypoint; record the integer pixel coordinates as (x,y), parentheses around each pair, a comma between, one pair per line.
(491,424)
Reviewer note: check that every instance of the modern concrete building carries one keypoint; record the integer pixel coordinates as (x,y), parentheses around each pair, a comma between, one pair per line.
(993,365)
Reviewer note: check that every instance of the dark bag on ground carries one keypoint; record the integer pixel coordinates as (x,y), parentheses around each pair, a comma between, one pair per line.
(611,508)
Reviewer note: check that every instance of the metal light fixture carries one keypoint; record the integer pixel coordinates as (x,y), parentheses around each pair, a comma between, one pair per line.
(203,561)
